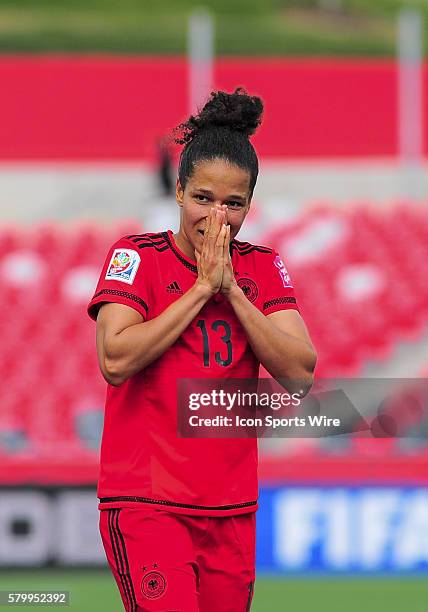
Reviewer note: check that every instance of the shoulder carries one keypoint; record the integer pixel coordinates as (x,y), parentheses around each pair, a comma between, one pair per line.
(254,252)
(151,241)
(244,249)
(132,253)
(264,260)
(142,246)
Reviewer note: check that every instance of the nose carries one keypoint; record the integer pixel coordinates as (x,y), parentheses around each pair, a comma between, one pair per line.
(221,207)
(216,206)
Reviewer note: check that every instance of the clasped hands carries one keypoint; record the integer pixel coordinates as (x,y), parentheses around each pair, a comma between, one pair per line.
(215,269)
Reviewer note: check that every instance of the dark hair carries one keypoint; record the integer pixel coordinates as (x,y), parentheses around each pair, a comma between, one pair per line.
(221,130)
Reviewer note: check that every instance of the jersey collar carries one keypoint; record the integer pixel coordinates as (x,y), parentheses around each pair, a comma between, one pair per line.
(186,261)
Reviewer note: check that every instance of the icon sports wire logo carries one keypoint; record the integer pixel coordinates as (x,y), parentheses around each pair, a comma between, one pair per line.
(174,287)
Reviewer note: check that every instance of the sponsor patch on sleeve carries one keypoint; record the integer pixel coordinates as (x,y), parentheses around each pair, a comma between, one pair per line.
(285,277)
(123,266)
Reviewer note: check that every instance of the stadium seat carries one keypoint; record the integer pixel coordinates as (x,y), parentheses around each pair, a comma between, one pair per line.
(359,282)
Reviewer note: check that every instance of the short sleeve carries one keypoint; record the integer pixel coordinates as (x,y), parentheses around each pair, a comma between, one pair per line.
(279,291)
(123,280)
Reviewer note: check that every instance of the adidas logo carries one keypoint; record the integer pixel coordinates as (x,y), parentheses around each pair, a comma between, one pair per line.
(174,288)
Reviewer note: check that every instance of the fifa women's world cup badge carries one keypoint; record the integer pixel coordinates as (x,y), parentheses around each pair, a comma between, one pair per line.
(249,288)
(123,266)
(153,585)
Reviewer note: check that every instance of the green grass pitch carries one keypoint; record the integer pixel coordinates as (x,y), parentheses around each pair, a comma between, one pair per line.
(92,590)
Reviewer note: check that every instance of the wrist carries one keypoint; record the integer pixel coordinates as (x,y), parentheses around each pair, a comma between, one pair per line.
(204,290)
(233,291)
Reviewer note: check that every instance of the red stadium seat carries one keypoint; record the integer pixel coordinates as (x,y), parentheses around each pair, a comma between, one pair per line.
(53,390)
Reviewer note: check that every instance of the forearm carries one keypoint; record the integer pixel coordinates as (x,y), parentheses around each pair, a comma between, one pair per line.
(137,346)
(285,357)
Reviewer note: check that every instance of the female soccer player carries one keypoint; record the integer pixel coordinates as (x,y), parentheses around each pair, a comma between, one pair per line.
(177,514)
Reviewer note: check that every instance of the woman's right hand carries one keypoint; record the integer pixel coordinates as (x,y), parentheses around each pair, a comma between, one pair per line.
(210,259)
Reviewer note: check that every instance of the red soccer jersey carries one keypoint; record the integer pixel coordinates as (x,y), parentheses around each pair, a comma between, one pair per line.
(142,459)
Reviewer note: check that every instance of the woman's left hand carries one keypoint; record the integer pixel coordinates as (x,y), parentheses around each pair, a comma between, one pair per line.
(229,283)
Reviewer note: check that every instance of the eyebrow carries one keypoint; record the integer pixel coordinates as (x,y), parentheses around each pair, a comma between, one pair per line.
(231,197)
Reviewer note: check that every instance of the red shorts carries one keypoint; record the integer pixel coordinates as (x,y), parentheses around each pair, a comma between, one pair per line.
(165,562)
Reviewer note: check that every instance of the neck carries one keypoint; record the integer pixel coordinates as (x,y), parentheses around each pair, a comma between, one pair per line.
(184,244)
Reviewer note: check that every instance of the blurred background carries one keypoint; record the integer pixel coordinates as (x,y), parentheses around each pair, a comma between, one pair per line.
(90,91)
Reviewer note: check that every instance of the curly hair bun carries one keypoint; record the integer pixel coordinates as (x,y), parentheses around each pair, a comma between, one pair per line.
(237,111)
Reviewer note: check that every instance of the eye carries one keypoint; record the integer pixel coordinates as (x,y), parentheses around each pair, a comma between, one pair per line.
(201,198)
(233,204)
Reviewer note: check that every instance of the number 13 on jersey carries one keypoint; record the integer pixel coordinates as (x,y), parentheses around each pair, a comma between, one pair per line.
(222,330)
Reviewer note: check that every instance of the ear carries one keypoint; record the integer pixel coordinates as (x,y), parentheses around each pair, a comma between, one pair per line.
(179,193)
